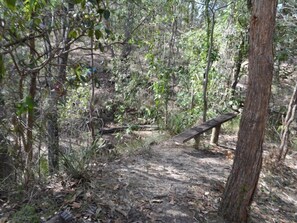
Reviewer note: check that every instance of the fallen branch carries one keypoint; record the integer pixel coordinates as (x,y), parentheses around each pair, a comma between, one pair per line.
(133,128)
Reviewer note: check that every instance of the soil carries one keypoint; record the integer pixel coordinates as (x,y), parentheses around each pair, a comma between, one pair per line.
(170,183)
(163,182)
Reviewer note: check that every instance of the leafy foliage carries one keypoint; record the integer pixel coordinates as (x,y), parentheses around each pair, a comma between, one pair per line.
(26,214)
(77,164)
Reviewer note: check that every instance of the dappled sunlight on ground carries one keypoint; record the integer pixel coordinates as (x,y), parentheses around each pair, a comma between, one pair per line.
(180,184)
(169,183)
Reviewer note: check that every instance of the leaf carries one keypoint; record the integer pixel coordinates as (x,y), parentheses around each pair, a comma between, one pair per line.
(108,31)
(76,205)
(72,34)
(37,21)
(101,47)
(71,200)
(90,33)
(88,195)
(29,103)
(20,109)
(10,4)
(116,187)
(32,5)
(98,27)
(98,34)
(26,105)
(83,4)
(100,11)
(77,1)
(106,14)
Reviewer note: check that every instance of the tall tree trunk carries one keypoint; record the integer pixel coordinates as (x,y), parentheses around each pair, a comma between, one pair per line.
(57,88)
(6,169)
(192,13)
(210,31)
(127,47)
(242,182)
(53,135)
(28,145)
(92,114)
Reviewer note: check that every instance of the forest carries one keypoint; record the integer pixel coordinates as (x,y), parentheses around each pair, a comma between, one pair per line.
(94,94)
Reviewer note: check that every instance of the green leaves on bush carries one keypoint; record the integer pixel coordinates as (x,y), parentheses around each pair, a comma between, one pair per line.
(26,214)
(25,105)
(10,4)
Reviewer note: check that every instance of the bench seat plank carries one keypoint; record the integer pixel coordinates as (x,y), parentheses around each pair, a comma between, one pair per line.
(197,130)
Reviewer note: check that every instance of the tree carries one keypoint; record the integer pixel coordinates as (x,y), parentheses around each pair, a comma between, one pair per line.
(288,120)
(35,54)
(57,83)
(209,46)
(5,160)
(242,182)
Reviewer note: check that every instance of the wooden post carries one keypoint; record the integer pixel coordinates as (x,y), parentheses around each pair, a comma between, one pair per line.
(197,141)
(215,135)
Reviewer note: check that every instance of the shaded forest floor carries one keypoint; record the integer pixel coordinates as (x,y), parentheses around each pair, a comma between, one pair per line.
(164,183)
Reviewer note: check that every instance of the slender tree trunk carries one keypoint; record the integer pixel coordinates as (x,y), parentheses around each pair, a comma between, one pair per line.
(57,88)
(238,62)
(52,116)
(28,146)
(210,31)
(242,182)
(192,13)
(286,126)
(127,47)
(5,160)
(92,113)
(53,135)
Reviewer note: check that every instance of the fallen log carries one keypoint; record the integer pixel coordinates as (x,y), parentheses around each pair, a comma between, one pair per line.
(132,127)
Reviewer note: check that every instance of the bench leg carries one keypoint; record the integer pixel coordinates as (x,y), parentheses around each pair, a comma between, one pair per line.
(197,141)
(215,135)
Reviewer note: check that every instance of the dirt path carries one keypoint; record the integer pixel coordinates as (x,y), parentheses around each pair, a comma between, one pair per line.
(169,183)
(164,183)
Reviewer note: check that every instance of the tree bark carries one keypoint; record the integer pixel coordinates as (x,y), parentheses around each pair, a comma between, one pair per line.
(5,160)
(127,47)
(242,182)
(6,168)
(57,87)
(28,145)
(210,33)
(53,134)
(238,63)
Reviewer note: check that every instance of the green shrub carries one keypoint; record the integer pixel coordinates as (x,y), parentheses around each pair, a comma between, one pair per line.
(179,121)
(26,214)
(77,162)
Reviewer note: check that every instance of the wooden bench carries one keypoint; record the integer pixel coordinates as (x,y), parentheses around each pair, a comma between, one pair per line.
(196,131)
